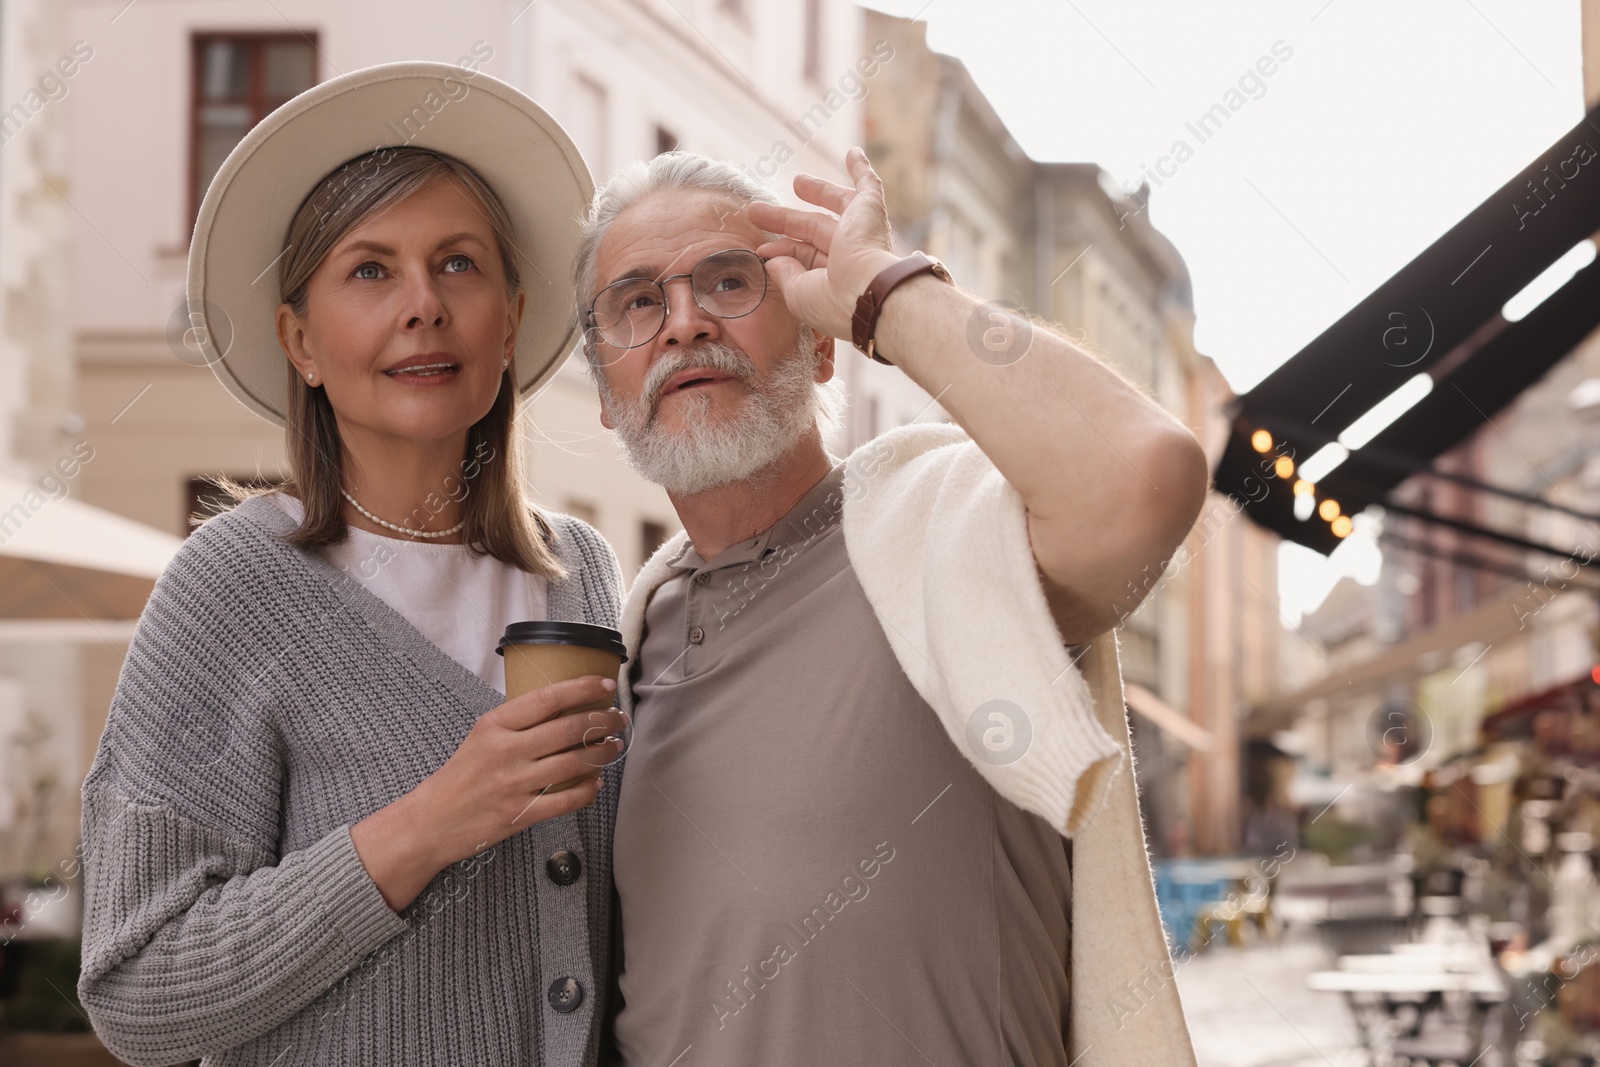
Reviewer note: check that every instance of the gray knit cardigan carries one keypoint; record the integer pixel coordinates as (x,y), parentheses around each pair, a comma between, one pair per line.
(268,703)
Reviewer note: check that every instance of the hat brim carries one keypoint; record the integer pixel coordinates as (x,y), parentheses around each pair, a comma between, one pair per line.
(523,153)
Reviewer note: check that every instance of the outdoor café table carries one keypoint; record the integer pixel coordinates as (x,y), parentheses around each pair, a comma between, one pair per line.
(1483,985)
(1449,959)
(1419,978)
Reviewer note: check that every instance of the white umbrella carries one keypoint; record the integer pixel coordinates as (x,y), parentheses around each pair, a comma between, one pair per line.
(69,532)
(67,567)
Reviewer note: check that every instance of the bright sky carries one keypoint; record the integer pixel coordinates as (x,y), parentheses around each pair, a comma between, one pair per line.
(1384,126)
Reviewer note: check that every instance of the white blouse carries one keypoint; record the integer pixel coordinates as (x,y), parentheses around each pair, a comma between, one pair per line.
(457,599)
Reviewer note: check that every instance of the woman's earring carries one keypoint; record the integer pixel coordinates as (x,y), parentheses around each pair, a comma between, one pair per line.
(311,377)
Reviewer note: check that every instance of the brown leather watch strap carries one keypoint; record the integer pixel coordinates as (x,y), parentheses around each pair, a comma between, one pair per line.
(870,305)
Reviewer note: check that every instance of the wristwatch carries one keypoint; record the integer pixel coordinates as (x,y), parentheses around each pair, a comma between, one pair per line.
(870,305)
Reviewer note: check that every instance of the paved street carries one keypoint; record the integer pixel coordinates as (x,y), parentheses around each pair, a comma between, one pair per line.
(1250,1007)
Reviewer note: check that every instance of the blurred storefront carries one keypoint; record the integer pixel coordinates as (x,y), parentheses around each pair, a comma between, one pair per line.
(1446,720)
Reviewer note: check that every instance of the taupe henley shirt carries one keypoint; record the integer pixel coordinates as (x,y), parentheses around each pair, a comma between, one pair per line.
(810,870)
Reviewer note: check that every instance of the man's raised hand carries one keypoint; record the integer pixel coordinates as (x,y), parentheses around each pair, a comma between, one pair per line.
(822,261)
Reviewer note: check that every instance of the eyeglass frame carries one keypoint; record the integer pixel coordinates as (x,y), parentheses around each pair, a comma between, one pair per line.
(666,307)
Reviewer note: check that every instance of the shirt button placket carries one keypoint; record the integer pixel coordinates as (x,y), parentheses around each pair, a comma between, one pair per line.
(697,610)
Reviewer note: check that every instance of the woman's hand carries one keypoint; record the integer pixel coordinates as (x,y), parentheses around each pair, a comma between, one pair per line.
(505,777)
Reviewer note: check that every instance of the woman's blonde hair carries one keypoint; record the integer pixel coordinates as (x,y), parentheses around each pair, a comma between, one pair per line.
(499,522)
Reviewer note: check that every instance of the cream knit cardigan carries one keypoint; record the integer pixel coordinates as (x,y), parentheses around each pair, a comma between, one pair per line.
(939,541)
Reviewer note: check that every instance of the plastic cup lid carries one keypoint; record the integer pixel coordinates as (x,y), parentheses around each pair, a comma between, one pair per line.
(583,634)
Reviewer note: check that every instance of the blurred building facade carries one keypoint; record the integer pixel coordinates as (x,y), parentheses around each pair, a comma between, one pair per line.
(125,113)
(41,681)
(1062,242)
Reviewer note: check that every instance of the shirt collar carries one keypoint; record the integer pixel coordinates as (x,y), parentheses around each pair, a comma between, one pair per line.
(817,512)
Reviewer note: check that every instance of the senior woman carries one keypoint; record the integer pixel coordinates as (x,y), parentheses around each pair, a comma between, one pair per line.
(316,831)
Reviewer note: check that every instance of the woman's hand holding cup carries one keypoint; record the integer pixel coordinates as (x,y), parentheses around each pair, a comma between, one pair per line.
(522,762)
(509,772)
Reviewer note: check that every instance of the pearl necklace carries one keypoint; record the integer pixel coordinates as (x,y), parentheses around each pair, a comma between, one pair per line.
(401,529)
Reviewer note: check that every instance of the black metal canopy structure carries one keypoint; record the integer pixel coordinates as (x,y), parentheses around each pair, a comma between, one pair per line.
(1440,315)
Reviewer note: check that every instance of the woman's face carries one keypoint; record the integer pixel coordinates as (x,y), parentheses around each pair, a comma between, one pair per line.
(417,285)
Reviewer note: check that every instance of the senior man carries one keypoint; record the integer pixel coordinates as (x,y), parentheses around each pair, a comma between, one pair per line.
(878,807)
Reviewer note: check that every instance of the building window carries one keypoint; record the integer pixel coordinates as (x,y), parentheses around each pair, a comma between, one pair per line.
(582,509)
(735,9)
(238,79)
(589,124)
(812,34)
(202,499)
(666,140)
(652,535)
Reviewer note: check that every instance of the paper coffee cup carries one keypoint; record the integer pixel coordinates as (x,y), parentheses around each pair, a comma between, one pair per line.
(538,654)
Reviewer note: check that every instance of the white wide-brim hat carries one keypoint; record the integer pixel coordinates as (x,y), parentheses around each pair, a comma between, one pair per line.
(523,153)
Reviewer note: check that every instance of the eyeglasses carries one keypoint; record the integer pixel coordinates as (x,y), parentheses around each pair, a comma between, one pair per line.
(631,312)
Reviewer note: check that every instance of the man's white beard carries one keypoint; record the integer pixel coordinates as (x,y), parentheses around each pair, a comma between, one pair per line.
(706,451)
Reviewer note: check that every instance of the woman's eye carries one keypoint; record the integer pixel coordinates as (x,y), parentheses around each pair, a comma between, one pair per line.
(458,264)
(368,272)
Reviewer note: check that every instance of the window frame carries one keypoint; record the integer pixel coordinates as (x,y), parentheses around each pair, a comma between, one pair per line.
(256,40)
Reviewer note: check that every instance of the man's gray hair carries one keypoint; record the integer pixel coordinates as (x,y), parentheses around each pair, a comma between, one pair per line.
(638,180)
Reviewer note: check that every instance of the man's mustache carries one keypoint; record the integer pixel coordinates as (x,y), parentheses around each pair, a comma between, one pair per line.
(718,357)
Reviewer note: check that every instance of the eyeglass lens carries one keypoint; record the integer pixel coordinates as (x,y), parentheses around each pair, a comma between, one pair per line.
(727,284)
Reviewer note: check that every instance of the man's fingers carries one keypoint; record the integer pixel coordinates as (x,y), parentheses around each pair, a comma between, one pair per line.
(862,175)
(810,227)
(823,193)
(808,256)
(532,708)
(783,271)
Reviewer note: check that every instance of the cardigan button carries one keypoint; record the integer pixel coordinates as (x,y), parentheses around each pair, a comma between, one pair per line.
(565,995)
(563,867)
(696,636)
